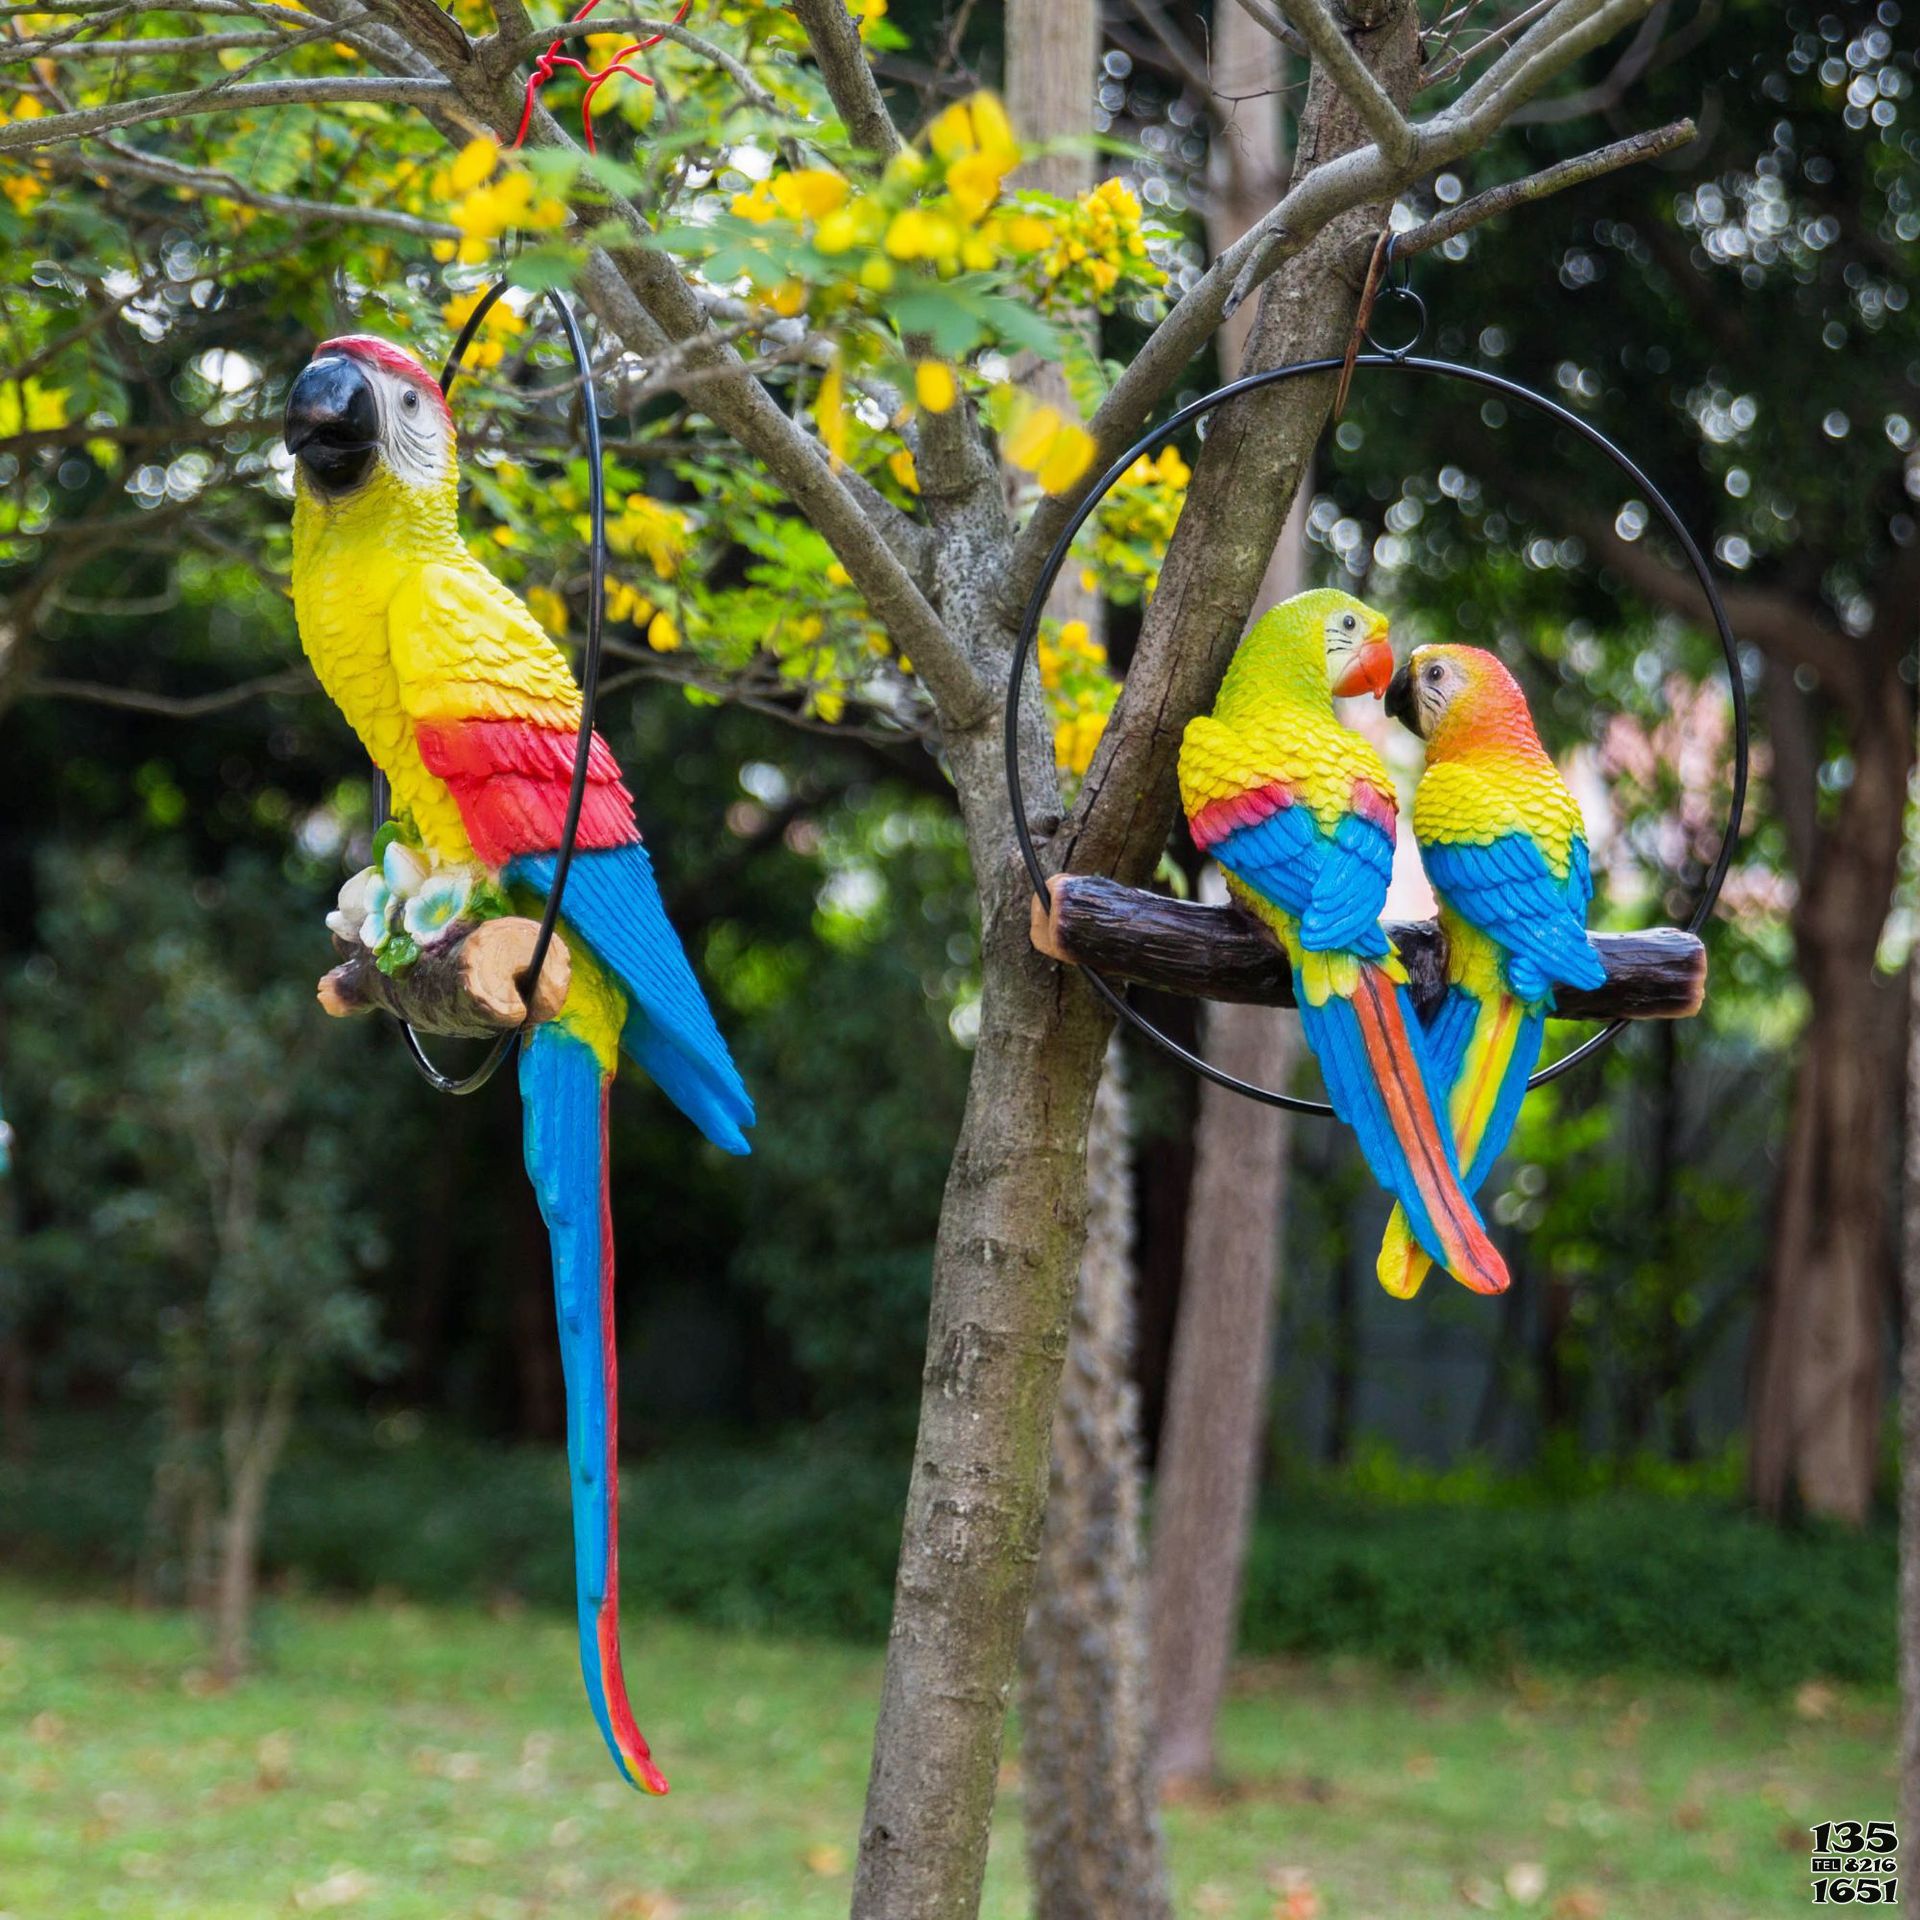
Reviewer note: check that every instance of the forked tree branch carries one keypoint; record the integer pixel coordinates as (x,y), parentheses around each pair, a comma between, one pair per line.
(1326,192)
(1391,131)
(1537,186)
(19,136)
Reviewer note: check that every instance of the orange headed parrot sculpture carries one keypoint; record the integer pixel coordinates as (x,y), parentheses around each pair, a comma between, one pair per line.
(1504,846)
(1300,814)
(471,712)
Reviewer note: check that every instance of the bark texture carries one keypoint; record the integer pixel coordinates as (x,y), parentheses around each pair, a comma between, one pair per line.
(1093,1834)
(1222,1344)
(1093,1838)
(1909,1802)
(1821,1337)
(1210,1443)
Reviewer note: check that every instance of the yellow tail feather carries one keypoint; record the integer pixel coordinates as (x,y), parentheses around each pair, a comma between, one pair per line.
(1403,1264)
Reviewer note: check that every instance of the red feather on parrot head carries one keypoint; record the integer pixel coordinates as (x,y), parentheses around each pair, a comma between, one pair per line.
(375,352)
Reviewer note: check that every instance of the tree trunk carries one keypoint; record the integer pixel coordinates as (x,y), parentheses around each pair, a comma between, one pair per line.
(1013,1218)
(1093,1834)
(1909,1804)
(1216,1401)
(1217,1390)
(1093,1839)
(1819,1344)
(1005,1260)
(253,1451)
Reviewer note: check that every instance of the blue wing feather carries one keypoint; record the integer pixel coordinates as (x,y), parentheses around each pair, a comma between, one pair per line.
(613,903)
(1506,888)
(1334,884)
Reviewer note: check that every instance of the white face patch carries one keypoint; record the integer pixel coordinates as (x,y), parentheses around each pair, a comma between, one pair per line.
(1435,682)
(1344,631)
(416,438)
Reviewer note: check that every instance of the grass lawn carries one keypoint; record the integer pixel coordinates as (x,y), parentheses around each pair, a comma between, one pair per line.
(403,1763)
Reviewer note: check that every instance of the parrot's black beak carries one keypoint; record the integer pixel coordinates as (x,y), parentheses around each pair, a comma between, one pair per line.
(333,423)
(1400,701)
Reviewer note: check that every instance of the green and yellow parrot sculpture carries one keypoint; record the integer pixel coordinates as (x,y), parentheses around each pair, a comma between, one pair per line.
(1300,813)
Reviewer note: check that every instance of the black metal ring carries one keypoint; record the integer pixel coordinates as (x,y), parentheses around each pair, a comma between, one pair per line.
(589,689)
(1151,443)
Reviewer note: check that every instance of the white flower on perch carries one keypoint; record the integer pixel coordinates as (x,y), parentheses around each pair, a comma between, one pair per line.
(436,905)
(348,919)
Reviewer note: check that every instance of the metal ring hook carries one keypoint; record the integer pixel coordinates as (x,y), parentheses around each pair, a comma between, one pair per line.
(1149,444)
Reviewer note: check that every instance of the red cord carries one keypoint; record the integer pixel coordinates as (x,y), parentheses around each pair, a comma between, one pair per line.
(543,70)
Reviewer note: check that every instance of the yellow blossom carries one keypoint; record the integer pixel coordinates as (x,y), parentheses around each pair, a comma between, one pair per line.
(489,345)
(809,193)
(974,180)
(756,204)
(1076,738)
(933,384)
(549,609)
(837,575)
(28,407)
(922,233)
(1033,432)
(23,188)
(830,412)
(1041,441)
(901,466)
(663,636)
(788,298)
(627,606)
(653,528)
(475,163)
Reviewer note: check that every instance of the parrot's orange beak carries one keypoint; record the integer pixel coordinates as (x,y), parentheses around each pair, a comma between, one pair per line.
(1371,668)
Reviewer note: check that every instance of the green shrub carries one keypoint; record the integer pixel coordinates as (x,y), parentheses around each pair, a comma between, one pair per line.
(1463,1570)
(1620,1581)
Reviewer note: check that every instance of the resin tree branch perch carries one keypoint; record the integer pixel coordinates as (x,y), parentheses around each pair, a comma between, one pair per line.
(466,985)
(1221,953)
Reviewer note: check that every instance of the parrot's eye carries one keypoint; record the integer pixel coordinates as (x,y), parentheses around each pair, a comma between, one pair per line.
(410,400)
(1348,622)
(1433,675)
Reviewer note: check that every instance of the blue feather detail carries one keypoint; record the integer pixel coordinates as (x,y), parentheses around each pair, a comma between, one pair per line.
(1334,1033)
(1513,1090)
(1448,1034)
(562,1093)
(1505,888)
(613,904)
(1333,884)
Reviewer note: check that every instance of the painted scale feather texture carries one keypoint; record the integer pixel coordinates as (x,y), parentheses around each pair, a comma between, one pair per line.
(1299,812)
(466,705)
(1506,851)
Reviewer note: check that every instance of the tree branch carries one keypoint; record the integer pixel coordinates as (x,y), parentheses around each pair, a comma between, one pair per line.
(224,186)
(1282,30)
(1223,953)
(855,93)
(186,706)
(1317,27)
(509,54)
(466,985)
(18,136)
(1537,186)
(1309,205)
